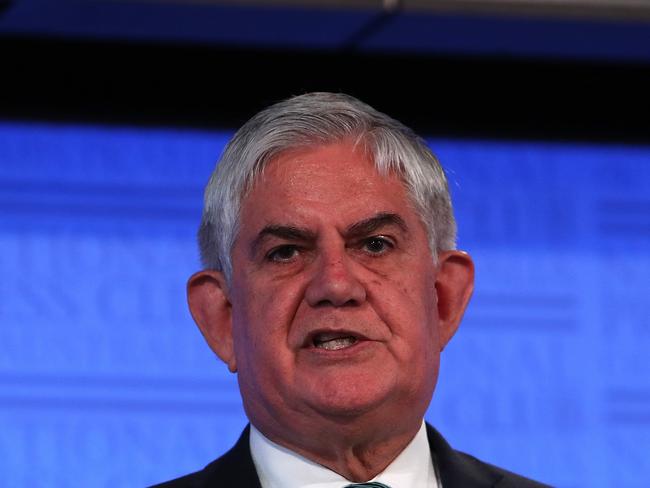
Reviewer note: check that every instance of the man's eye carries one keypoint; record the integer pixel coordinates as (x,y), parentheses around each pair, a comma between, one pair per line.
(377,245)
(282,253)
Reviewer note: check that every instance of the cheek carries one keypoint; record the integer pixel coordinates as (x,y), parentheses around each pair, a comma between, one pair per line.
(262,316)
(411,312)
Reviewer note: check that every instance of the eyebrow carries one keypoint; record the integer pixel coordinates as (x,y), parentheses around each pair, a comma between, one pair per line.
(288,232)
(372,224)
(356,230)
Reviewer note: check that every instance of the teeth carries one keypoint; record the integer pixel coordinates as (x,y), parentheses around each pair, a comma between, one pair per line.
(337,343)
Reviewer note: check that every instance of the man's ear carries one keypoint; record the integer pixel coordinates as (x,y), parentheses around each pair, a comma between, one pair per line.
(454,285)
(207,296)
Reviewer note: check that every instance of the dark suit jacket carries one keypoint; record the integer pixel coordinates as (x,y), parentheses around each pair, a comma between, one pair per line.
(457,470)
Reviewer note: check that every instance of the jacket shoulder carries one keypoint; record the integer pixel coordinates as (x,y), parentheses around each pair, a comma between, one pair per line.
(506,479)
(234,468)
(460,470)
(188,481)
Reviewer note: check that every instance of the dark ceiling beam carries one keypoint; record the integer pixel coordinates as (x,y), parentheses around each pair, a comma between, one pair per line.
(204,86)
(634,10)
(444,27)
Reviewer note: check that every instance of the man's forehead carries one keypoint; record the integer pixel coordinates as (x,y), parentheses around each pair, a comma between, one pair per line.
(333,184)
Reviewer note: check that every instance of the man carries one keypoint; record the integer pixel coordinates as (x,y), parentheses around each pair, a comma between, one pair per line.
(331,286)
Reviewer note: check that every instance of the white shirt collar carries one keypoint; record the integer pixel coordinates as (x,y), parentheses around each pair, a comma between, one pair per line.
(278,467)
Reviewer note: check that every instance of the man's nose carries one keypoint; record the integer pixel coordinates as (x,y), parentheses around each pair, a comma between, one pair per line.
(334,283)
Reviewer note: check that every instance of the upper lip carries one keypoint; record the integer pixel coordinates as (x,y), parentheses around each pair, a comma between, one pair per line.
(329,334)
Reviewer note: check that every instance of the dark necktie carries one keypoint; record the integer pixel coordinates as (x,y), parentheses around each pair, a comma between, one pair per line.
(370,484)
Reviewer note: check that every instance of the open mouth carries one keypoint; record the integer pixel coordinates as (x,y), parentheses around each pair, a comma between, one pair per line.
(333,341)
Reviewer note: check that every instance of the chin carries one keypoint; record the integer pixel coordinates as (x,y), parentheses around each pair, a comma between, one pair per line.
(345,404)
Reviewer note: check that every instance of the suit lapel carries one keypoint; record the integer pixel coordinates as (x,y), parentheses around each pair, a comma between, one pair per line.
(235,468)
(457,471)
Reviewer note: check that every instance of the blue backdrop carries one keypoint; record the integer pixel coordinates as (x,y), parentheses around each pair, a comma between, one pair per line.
(105,380)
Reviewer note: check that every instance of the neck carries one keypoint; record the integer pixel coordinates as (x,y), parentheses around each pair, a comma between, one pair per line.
(347,448)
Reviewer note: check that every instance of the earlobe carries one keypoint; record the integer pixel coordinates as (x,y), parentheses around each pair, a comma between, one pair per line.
(207,296)
(454,286)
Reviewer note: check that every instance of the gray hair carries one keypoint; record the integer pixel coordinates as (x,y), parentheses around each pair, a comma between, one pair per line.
(315,119)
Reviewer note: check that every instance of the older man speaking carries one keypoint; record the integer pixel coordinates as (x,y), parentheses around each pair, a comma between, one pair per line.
(331,286)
